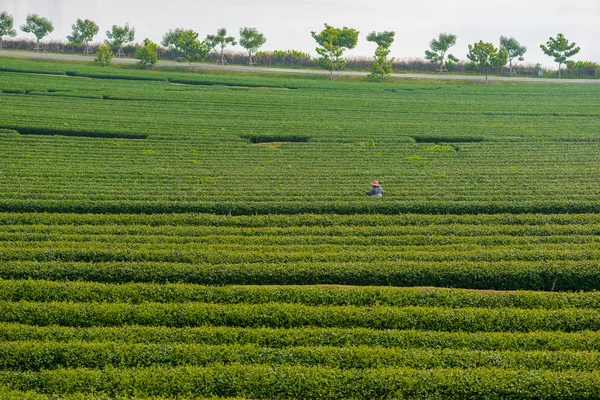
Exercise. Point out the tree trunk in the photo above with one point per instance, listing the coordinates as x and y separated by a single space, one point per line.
559 64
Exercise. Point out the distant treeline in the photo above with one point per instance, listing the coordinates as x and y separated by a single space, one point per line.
289 58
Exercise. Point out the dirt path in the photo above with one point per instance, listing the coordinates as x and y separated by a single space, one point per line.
54 56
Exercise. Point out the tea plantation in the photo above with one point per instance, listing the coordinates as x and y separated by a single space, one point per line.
170 235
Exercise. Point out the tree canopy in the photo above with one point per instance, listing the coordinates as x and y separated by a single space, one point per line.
119 35
83 32
39 26
146 53
171 38
333 42
438 49
251 40
513 50
560 49
382 65
6 26
221 40
190 48
485 56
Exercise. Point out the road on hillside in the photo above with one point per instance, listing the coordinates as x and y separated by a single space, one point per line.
481 78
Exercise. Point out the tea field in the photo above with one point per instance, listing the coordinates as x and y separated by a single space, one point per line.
172 235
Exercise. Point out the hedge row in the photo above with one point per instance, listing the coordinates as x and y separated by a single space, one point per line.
278 315
135 293
463 223
309 336
36 356
266 381
34 130
297 207
504 275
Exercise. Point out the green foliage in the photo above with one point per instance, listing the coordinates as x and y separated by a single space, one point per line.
186 44
120 35
146 53
560 49
251 40
485 57
83 31
220 40
381 66
37 25
284 381
104 55
333 42
513 50
171 38
6 26
439 47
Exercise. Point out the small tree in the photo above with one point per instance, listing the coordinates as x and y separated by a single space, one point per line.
560 49
6 26
382 65
146 53
439 47
119 35
104 55
485 56
333 42
39 26
83 32
513 50
222 40
251 40
189 47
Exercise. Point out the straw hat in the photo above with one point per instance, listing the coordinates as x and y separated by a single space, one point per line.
375 183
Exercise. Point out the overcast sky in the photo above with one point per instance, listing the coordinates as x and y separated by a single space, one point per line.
287 24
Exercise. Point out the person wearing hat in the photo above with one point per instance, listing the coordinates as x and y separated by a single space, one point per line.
376 190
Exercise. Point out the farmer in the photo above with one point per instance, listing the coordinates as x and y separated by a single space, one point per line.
376 190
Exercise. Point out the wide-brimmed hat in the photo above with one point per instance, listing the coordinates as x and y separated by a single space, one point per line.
375 183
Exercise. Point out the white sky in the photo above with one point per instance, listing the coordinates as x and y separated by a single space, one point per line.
287 24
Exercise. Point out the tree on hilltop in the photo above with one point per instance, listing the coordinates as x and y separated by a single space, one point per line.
221 40
439 47
513 49
333 42
485 56
83 32
560 49
186 44
39 26
118 36
6 26
382 65
251 40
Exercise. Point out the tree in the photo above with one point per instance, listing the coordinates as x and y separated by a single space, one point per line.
39 26
560 49
119 35
222 40
146 53
186 44
251 40
6 26
382 65
83 32
170 38
513 50
104 55
333 42
439 47
485 56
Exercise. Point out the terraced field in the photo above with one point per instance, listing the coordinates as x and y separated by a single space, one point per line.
173 235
